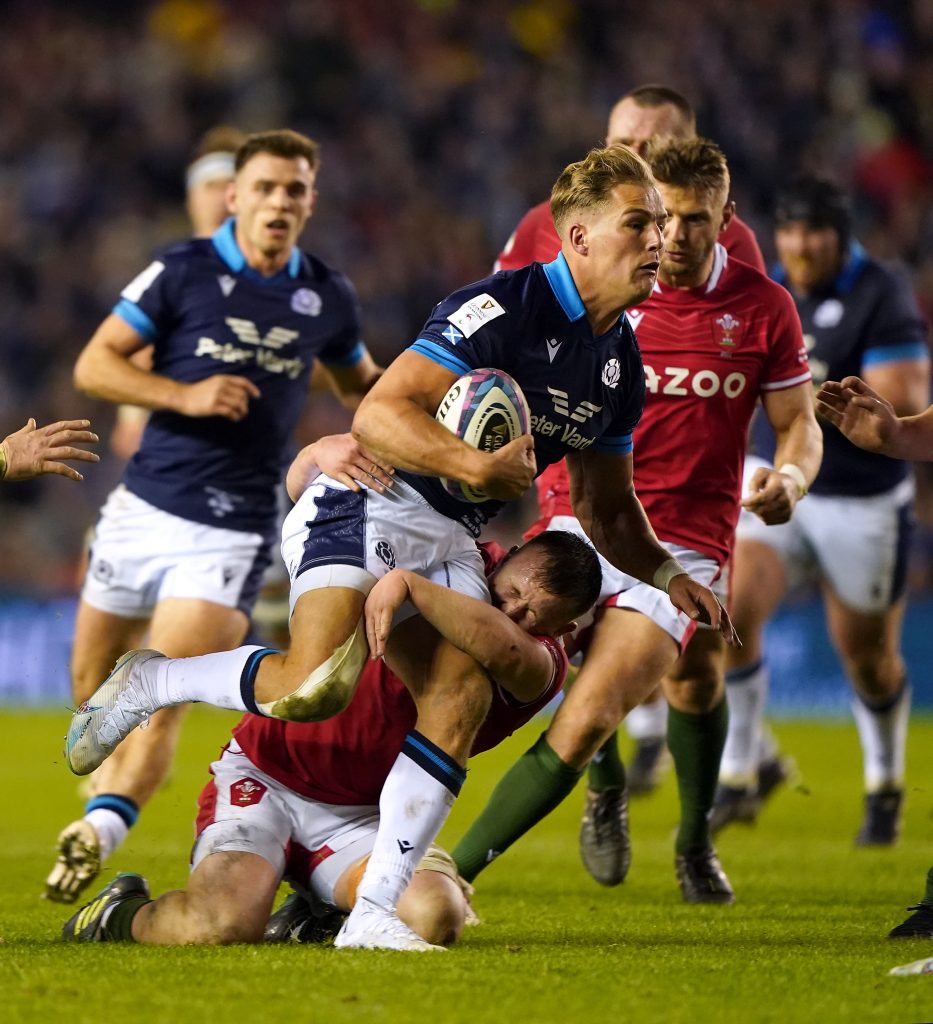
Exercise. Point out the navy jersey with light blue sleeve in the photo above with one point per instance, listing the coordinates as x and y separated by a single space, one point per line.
206 312
583 391
866 316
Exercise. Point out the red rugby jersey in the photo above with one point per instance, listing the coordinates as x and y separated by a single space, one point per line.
345 759
536 238
708 352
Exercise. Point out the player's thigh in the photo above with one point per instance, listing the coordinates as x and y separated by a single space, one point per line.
186 627
758 582
628 656
864 639
697 680
232 895
100 638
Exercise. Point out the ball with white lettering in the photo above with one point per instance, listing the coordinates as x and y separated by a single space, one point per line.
486 409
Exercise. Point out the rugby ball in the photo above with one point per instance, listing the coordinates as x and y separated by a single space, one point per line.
486 409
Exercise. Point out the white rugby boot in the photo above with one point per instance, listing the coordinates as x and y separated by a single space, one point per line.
370 926
110 714
78 862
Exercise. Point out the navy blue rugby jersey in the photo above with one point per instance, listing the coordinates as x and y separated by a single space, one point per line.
865 317
583 391
207 312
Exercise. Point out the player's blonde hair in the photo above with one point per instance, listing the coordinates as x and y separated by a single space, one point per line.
282 142
697 164
588 183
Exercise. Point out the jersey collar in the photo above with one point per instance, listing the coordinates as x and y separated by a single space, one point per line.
225 244
562 285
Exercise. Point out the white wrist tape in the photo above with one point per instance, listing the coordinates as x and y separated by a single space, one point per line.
665 572
792 470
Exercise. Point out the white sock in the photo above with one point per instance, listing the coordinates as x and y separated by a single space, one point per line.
883 733
746 692
648 721
225 679
111 829
415 801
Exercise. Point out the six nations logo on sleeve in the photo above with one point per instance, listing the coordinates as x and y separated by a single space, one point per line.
474 313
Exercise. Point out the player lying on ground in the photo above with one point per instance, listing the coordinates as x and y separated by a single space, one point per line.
301 799
869 421
558 330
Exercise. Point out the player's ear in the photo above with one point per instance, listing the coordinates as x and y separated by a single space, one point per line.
565 630
231 197
728 212
577 237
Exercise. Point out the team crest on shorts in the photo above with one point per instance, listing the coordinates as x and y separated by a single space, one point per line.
246 792
386 552
102 571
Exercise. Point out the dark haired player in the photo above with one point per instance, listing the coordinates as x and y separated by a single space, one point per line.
858 318
303 799
235 321
558 330
715 336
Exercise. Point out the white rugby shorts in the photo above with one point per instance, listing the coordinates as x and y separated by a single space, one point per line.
857 544
620 590
246 811
141 554
335 537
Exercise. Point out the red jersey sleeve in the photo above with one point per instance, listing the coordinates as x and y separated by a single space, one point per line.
739 242
787 363
535 239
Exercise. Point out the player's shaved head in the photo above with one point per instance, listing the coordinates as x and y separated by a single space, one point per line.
589 183
696 164
650 111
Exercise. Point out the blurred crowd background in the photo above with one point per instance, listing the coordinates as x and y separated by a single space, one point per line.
441 122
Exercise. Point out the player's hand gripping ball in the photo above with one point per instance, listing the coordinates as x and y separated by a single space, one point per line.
486 409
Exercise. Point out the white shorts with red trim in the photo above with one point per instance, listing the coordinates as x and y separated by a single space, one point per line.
620 590
244 810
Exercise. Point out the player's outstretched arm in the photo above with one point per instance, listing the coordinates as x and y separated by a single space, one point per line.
604 501
105 370
396 419
517 661
869 420
774 493
34 451
341 457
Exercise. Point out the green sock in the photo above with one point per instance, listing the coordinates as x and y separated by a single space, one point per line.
529 790
696 743
119 927
606 769
928 896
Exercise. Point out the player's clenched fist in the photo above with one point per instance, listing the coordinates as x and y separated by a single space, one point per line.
772 496
511 470
220 395
33 451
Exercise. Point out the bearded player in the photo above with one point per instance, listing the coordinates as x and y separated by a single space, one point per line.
715 335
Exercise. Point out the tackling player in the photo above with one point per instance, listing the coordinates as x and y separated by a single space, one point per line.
855 527
235 321
302 799
558 330
34 451
715 335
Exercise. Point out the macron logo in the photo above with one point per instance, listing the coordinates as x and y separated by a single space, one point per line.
404 845
227 284
552 346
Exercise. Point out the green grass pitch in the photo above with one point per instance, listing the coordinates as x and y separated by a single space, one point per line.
805 942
